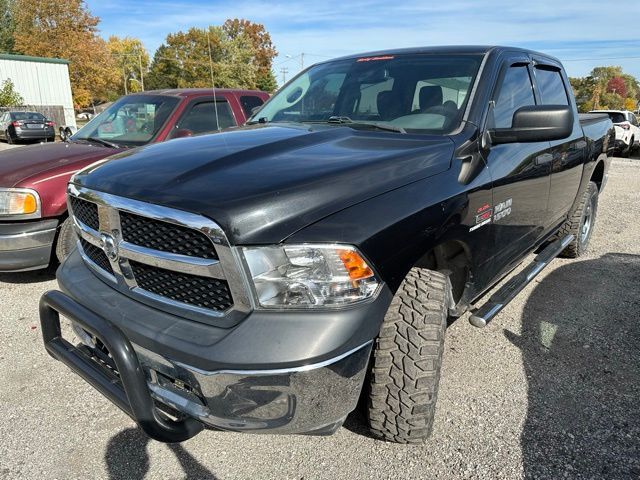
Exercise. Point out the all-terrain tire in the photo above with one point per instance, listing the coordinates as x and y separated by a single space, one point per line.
406 360
577 224
66 240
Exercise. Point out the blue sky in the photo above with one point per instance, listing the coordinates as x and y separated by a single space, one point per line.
582 33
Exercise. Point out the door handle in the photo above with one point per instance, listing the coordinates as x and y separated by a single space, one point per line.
543 159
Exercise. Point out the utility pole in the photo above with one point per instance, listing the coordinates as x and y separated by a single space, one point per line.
302 61
141 74
124 76
284 71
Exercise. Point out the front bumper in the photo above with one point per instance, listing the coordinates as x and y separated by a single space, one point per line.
26 245
255 376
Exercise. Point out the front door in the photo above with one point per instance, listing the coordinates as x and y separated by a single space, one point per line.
520 171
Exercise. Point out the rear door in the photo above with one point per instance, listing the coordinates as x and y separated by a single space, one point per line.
520 171
567 154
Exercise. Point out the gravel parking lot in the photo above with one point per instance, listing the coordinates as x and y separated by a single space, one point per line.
550 389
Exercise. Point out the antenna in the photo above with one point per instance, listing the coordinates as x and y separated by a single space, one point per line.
213 85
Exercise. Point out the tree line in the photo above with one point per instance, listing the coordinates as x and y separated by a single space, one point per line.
606 88
236 54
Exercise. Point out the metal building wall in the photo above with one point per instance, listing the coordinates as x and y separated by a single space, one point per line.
40 83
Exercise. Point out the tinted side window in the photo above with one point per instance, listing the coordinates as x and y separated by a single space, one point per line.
551 87
515 92
249 102
202 117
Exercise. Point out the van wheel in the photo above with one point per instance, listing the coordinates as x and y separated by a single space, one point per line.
406 361
581 223
66 240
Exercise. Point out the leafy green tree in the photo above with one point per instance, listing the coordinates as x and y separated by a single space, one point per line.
7 27
264 50
183 61
8 95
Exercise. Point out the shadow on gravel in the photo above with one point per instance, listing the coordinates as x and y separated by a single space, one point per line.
34 276
127 457
581 352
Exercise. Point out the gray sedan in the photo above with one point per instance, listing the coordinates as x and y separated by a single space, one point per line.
15 126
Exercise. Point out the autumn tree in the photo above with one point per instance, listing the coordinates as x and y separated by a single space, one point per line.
183 60
7 26
264 50
66 29
606 88
131 63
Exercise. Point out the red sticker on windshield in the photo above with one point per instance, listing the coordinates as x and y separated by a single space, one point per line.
375 59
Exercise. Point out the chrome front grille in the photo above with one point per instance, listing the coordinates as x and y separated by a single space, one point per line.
171 259
165 237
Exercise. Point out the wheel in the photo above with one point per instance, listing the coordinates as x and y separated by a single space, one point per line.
627 151
581 223
406 360
66 240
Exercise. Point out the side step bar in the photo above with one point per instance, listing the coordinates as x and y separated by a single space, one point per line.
509 290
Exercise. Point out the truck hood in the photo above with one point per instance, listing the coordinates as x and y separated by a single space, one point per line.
22 163
261 184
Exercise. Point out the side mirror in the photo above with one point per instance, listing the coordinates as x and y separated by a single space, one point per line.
181 133
536 123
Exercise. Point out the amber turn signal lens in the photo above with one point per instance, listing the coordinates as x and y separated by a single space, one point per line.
30 205
355 265
23 204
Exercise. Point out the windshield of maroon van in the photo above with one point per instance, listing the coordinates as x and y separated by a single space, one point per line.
421 93
130 121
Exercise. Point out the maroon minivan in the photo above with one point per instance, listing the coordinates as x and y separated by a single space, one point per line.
33 179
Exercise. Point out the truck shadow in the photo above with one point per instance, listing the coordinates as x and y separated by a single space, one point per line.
33 276
580 345
127 457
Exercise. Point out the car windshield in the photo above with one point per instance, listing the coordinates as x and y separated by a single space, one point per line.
131 121
416 93
28 116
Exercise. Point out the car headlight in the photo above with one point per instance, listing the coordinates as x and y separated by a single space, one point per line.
19 204
307 276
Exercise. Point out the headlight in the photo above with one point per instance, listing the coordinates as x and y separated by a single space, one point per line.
305 276
19 204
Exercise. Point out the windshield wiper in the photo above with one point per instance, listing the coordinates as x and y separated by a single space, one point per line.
101 142
379 125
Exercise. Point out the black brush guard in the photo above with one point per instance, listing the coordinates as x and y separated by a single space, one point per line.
130 393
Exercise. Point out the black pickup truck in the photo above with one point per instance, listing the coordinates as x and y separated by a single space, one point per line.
270 277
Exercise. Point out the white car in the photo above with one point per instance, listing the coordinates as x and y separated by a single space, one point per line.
627 129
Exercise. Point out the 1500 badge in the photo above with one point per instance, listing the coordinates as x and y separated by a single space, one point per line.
485 214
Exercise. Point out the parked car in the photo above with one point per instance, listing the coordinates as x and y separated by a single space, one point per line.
627 130
33 208
17 126
271 277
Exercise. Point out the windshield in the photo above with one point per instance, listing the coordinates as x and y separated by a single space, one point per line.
131 121
419 93
28 116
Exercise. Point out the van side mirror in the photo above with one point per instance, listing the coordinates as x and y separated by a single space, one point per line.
536 123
